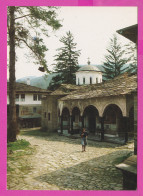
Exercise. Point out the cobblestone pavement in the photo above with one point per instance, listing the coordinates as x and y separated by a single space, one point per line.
59 164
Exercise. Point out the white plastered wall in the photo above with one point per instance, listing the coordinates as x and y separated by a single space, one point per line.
28 100
87 74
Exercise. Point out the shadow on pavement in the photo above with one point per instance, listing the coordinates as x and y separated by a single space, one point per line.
96 174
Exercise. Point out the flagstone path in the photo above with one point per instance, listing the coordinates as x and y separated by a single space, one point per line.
59 164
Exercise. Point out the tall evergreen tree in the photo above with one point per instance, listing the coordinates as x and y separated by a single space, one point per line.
115 60
132 51
23 23
66 62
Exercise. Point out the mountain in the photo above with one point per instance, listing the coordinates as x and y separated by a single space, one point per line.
41 82
44 81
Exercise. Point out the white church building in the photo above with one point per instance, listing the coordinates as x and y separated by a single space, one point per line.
88 74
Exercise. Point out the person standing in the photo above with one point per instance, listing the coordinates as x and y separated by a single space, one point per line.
84 135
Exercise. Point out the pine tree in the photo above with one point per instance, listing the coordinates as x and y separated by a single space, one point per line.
23 23
66 62
115 60
132 51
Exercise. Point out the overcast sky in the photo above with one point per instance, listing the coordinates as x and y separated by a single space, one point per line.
92 28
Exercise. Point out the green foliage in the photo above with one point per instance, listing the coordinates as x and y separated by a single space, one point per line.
17 145
15 154
115 60
30 23
132 51
66 62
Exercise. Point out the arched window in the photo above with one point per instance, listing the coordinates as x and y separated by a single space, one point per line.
96 80
83 80
78 82
90 80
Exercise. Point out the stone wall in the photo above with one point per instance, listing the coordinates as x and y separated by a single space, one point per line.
30 110
50 113
100 103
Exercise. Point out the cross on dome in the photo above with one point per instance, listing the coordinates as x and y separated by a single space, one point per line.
88 62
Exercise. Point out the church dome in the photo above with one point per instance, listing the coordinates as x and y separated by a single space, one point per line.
88 68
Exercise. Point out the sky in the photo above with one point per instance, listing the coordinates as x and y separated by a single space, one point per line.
92 28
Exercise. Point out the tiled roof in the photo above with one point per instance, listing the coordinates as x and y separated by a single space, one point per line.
24 88
121 85
65 89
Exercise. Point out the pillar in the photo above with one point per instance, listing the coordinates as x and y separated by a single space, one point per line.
102 128
82 120
126 127
61 124
71 124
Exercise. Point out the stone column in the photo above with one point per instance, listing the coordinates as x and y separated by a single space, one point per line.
82 120
71 124
126 127
102 128
61 124
135 124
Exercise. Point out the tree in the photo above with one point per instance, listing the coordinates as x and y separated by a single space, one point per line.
66 62
132 51
115 61
23 23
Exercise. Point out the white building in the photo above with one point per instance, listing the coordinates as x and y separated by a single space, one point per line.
28 104
88 74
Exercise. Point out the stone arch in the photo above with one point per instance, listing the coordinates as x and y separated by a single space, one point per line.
75 106
87 105
113 120
65 109
65 118
91 118
129 108
76 122
101 111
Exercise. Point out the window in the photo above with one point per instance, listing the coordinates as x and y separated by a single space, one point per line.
22 97
34 110
45 114
34 97
39 97
48 116
96 80
78 82
90 80
17 97
83 80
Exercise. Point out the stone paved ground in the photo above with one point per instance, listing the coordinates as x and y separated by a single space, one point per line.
59 164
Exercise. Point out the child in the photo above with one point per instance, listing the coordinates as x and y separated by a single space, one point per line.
84 139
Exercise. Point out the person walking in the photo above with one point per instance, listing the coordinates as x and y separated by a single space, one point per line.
84 135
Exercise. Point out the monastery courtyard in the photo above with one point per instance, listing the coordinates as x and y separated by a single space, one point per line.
57 163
